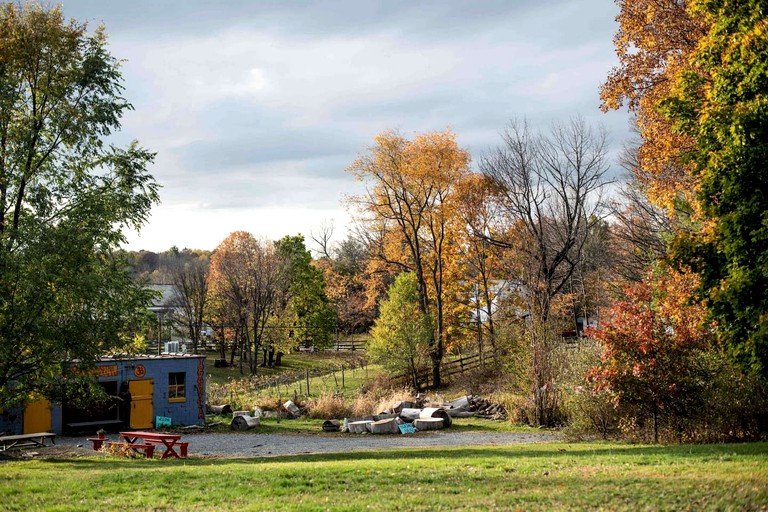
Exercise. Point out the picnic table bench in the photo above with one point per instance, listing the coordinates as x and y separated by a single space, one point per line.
169 441
36 439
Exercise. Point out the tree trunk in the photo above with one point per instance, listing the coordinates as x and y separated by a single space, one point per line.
436 357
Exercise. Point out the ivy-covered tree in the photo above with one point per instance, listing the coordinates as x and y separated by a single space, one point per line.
66 198
722 103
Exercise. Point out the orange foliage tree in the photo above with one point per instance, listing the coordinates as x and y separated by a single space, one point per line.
654 43
406 210
653 339
247 282
476 267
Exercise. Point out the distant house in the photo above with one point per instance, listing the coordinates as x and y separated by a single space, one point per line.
140 389
500 291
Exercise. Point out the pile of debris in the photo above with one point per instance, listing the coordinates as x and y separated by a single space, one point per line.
484 408
418 414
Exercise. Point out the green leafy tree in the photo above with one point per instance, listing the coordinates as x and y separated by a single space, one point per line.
402 332
722 103
308 312
65 200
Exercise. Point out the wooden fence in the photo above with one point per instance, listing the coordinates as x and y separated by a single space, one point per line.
450 368
300 379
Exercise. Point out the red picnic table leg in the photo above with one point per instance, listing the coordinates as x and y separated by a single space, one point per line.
169 450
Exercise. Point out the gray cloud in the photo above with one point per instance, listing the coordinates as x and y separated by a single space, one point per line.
263 104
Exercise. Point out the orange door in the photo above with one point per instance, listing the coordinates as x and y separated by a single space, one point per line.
142 407
37 417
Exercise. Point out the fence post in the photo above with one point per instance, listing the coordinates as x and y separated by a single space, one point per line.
307 382
342 375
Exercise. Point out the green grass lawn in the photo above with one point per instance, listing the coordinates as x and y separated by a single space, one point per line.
552 476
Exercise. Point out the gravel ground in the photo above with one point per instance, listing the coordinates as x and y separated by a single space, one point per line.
269 445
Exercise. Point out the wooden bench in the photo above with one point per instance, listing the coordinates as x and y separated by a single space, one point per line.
18 441
130 449
94 425
98 442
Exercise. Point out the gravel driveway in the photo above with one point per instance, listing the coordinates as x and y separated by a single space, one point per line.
268 445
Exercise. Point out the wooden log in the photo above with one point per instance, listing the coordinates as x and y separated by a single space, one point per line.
453 413
244 423
460 403
428 423
434 412
409 414
387 426
292 409
331 426
359 427
219 409
399 406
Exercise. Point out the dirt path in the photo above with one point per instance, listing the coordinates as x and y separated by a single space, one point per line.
270 445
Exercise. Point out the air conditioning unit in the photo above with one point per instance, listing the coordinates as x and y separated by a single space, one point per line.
171 347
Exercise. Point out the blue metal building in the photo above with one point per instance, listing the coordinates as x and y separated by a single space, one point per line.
142 389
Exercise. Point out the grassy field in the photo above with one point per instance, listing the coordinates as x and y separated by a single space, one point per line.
293 362
552 476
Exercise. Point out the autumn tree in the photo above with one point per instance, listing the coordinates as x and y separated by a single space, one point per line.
721 104
248 284
66 199
345 285
229 289
653 341
406 210
694 72
549 188
402 332
654 43
477 261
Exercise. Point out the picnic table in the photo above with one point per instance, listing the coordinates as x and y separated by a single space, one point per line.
169 441
36 439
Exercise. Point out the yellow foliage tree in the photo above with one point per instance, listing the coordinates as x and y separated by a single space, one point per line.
654 43
406 210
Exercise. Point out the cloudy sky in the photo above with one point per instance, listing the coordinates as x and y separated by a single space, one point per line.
256 108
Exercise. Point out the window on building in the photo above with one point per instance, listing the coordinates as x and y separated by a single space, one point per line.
176 389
